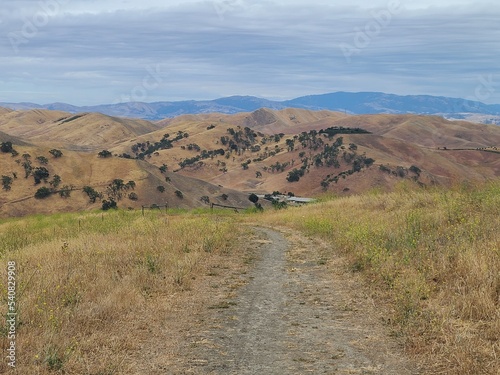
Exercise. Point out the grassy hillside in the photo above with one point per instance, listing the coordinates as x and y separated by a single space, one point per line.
432 256
444 152
213 157
77 170
81 131
93 288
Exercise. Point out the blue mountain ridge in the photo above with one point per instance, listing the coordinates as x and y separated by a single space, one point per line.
353 103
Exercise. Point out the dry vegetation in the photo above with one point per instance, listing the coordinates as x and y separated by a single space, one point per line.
433 257
93 289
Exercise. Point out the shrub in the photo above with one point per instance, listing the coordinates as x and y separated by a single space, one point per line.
179 194
6 147
56 153
107 205
92 193
253 198
42 159
6 182
295 175
56 180
415 170
39 174
133 196
160 188
43 192
105 154
65 191
163 168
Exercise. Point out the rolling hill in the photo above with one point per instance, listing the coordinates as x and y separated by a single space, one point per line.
80 131
195 160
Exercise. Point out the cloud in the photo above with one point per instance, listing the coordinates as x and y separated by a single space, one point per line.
95 52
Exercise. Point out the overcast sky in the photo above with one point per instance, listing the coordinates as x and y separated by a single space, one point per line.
107 51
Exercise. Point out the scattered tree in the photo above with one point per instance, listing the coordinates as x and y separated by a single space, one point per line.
56 180
163 168
6 147
179 194
107 205
92 193
42 159
6 182
295 175
160 188
39 174
42 193
253 198
105 154
65 191
133 196
56 153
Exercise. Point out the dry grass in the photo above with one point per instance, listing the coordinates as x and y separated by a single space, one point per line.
91 291
433 256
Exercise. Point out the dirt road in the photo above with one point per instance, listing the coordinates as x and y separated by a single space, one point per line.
299 313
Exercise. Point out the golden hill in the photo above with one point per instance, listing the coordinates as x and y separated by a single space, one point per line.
263 151
4 110
397 141
83 130
79 169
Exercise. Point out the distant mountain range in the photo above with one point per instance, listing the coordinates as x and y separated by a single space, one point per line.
352 103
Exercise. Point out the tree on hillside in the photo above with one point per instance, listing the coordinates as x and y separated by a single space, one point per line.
6 147
253 198
295 175
65 191
116 187
6 182
105 154
107 205
43 192
42 159
92 193
56 180
39 174
163 168
56 153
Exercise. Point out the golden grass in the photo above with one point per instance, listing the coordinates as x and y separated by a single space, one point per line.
89 286
433 256
92 287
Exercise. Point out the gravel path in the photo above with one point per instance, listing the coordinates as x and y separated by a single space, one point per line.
297 314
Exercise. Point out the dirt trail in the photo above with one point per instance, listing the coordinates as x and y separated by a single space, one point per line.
298 314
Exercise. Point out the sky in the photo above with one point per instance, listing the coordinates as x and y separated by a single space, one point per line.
108 51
